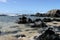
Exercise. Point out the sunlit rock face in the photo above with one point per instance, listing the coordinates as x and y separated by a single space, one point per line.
54 13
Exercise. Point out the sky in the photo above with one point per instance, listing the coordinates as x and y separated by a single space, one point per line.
28 6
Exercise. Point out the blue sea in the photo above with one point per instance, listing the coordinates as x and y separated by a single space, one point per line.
8 18
16 18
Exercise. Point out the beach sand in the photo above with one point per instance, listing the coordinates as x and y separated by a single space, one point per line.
10 29
54 23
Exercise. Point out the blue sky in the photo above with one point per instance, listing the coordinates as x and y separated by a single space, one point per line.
28 6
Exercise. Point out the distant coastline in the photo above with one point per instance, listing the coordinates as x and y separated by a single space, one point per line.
3 15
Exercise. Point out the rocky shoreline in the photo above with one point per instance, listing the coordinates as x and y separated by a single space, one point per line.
14 31
26 29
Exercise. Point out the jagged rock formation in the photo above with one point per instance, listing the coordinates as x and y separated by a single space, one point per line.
54 13
48 35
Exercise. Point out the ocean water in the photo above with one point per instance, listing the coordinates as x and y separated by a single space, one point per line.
34 17
16 18
8 18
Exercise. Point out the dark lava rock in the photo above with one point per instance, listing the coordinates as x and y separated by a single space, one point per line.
48 35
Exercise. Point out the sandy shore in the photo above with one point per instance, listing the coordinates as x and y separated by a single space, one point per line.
54 23
10 29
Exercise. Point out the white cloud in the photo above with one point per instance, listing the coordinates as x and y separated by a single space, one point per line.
3 0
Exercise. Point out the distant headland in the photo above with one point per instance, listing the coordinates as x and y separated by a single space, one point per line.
50 13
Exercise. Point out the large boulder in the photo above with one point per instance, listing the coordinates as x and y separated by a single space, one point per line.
39 24
49 34
22 20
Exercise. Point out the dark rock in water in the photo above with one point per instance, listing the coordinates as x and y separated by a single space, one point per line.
30 20
37 20
48 35
22 20
42 24
47 20
21 35
49 31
